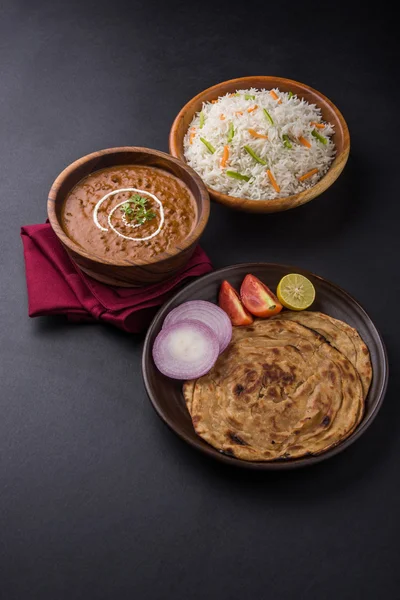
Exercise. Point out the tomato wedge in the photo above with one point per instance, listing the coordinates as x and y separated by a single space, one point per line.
258 298
230 302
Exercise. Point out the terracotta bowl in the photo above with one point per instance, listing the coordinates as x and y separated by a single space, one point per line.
329 111
126 272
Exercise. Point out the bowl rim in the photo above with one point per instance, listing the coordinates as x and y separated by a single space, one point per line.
275 204
266 465
202 217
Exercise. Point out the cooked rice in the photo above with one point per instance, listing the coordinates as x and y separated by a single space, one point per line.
293 117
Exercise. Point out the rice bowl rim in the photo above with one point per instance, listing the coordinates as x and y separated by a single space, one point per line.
329 111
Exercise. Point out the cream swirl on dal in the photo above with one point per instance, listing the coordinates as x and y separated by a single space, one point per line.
134 226
129 211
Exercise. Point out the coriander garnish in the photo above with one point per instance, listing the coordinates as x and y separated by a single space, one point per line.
135 209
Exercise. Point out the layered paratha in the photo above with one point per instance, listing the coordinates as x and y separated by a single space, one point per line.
341 336
279 391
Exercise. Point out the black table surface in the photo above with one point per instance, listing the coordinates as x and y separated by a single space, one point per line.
98 499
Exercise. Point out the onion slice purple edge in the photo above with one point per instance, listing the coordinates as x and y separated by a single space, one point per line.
205 312
171 366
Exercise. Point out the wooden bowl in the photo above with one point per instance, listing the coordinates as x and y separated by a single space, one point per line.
126 272
330 113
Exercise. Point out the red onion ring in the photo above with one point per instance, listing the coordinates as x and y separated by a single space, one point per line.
205 312
185 350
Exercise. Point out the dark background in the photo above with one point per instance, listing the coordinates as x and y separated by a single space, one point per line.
98 499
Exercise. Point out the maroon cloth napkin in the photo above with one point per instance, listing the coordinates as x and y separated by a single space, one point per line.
56 286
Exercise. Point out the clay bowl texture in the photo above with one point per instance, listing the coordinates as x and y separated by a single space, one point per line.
329 112
166 394
128 272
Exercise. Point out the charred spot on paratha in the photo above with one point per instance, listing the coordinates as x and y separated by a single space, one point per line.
228 451
238 389
236 439
273 393
252 380
275 373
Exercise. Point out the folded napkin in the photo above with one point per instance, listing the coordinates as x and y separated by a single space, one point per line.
57 286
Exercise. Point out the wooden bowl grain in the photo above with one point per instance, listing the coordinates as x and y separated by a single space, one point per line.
329 112
128 272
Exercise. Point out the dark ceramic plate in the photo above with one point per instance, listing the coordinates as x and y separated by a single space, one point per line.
166 394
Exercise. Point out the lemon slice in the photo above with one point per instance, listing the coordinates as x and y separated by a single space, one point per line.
295 292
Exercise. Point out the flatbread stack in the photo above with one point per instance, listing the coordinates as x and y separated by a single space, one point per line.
290 386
